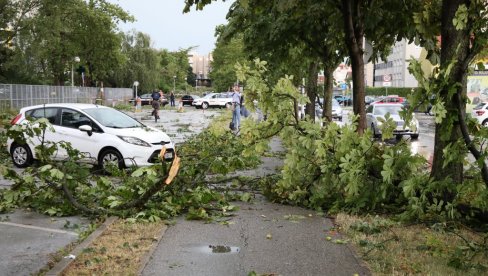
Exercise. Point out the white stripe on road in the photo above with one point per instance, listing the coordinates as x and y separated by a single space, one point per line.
39 228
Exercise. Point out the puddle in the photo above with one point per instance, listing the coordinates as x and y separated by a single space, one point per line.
218 249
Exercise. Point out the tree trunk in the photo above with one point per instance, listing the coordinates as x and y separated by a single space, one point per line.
455 46
311 89
354 35
329 86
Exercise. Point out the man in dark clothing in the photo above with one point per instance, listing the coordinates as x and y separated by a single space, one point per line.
155 104
172 98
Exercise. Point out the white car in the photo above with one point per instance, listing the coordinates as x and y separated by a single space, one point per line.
223 99
101 133
377 111
480 112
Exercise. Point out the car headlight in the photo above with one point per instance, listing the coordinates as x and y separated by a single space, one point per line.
134 141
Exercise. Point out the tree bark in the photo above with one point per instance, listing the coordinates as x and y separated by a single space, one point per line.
454 46
354 35
328 91
311 89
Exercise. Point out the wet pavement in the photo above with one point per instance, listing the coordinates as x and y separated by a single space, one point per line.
261 238
28 239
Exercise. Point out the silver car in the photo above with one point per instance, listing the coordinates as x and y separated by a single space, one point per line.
377 111
336 109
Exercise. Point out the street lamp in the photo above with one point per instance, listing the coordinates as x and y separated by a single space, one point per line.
174 84
136 84
77 59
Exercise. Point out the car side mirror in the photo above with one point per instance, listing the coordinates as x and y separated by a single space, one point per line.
86 128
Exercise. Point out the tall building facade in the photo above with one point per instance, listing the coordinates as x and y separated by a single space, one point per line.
395 68
200 64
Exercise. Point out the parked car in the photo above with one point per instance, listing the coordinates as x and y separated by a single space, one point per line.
343 100
102 133
375 112
146 99
188 99
223 99
369 100
390 99
336 109
480 113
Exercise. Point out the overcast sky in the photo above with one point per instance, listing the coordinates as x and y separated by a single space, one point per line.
169 28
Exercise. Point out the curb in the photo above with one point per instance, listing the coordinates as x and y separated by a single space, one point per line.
61 266
148 256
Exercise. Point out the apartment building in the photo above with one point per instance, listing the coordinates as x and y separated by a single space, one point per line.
395 68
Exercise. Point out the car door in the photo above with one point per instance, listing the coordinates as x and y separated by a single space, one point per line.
50 134
87 144
214 100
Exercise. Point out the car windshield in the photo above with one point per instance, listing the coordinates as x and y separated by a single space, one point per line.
479 106
383 109
112 118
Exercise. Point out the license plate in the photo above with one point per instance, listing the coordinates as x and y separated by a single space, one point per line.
168 155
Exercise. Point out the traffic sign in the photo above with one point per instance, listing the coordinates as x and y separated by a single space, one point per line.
344 86
387 78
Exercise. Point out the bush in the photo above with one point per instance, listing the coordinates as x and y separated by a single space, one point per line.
381 91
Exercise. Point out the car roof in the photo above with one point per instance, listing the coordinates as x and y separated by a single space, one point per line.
79 106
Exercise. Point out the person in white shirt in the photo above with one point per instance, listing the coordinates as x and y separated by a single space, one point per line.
236 107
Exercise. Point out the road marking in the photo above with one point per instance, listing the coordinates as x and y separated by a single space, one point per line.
39 228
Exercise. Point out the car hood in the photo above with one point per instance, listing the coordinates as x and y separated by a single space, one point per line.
146 133
395 118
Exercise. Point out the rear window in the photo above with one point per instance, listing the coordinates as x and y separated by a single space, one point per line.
49 113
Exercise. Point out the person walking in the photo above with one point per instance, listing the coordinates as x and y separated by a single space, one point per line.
172 98
155 104
236 108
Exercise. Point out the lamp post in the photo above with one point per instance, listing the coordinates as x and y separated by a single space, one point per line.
174 84
76 59
136 84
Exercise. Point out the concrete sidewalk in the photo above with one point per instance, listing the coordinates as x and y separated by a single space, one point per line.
263 237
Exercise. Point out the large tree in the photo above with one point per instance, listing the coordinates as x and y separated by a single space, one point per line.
55 32
461 25
381 23
226 54
294 37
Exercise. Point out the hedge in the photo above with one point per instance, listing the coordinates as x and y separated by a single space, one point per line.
382 91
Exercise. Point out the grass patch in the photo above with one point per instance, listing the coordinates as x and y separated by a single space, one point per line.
118 251
391 248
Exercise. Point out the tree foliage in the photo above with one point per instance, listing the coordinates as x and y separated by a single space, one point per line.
54 33
225 56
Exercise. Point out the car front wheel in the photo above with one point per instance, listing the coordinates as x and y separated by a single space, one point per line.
110 156
414 136
485 123
204 105
21 155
